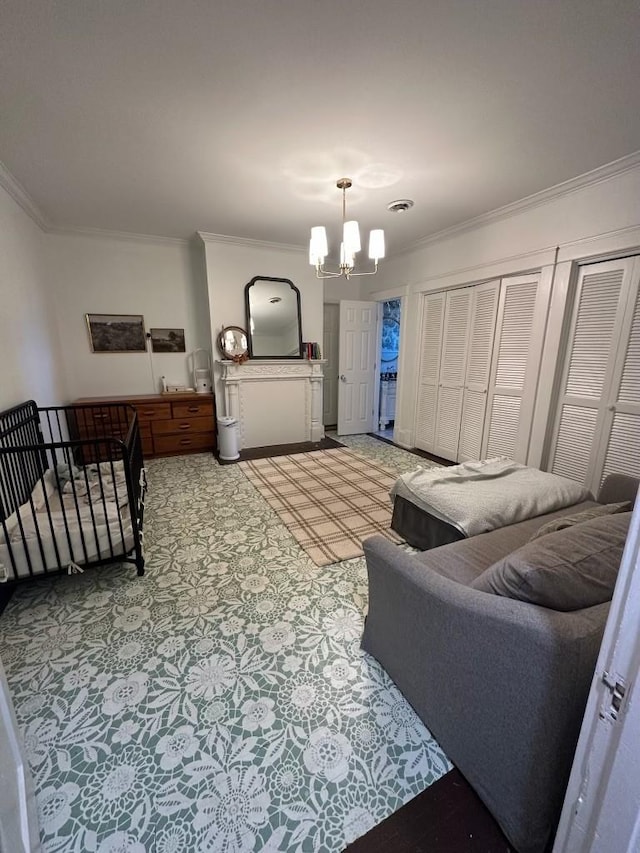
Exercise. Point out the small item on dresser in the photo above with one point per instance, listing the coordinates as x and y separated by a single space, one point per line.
177 389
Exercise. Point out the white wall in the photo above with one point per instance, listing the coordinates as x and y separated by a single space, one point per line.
231 264
602 216
162 280
29 353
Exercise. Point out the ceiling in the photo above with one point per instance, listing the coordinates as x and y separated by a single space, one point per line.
237 117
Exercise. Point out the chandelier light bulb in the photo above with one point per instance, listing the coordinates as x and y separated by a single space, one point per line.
376 244
318 243
351 237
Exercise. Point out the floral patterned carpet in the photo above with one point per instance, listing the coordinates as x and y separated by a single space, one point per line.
219 703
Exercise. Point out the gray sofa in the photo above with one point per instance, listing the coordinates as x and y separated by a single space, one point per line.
501 683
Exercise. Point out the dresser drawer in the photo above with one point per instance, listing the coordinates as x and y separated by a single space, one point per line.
182 425
97 421
190 410
183 443
147 446
153 411
145 429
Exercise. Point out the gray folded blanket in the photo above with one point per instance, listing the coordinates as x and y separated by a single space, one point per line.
476 497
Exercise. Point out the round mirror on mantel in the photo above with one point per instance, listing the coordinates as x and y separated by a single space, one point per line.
232 343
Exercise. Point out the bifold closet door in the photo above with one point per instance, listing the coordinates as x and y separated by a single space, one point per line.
597 428
429 371
484 306
452 372
515 363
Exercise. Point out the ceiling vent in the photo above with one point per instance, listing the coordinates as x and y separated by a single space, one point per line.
400 205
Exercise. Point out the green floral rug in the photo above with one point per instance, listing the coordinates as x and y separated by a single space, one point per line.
219 703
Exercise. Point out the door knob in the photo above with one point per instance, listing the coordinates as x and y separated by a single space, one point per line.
343 378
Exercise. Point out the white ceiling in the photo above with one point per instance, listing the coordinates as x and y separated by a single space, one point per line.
237 117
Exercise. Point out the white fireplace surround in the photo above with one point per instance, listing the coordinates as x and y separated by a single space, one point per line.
275 401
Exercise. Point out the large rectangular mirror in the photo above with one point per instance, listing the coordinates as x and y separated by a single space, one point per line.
273 318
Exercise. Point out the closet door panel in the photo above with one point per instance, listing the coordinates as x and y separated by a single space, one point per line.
454 345
587 397
503 427
513 368
481 337
471 426
433 309
629 392
577 429
452 372
619 450
448 422
622 455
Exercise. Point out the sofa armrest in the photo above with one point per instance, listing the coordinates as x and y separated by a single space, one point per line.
618 487
501 684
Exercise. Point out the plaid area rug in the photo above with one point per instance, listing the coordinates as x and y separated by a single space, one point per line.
330 500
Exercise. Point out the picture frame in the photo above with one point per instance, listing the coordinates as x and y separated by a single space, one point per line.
167 340
116 333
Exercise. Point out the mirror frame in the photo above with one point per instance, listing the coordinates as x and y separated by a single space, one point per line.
240 356
247 289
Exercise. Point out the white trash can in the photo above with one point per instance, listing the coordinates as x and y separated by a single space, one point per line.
228 438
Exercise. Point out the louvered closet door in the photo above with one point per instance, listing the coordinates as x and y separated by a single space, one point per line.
429 370
619 450
514 365
481 337
591 428
452 372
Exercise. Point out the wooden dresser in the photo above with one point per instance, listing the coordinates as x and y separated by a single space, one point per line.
169 423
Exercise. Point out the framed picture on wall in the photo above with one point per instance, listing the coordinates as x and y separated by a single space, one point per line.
116 332
167 340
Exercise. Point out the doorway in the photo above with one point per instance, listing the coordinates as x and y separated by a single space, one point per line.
389 349
331 349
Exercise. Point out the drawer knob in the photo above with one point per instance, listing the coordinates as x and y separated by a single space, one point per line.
185 441
184 426
193 409
148 412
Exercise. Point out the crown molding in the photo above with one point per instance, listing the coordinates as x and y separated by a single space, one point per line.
587 179
106 234
248 243
522 263
22 197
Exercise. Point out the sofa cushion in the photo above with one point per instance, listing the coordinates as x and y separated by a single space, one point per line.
566 570
580 517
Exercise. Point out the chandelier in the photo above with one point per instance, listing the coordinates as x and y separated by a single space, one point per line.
349 247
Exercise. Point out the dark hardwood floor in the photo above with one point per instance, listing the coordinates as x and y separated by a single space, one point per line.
415 450
283 450
448 817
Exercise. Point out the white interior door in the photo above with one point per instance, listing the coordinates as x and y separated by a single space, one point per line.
357 366
601 811
330 352
429 370
452 371
481 336
18 816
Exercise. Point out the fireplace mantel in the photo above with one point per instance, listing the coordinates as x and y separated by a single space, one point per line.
276 401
